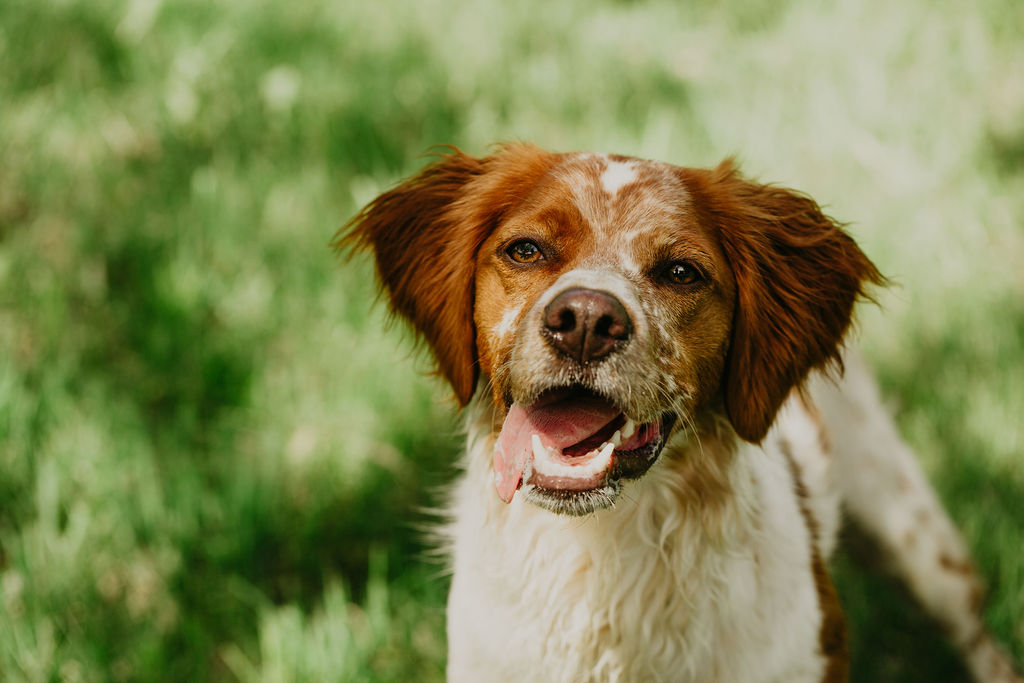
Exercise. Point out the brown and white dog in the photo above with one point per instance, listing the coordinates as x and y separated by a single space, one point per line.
655 464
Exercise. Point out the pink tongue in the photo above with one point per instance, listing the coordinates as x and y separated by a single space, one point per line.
559 424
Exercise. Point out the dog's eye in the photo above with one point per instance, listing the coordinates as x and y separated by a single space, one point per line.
524 251
683 273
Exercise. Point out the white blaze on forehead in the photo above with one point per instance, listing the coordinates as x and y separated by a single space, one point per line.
507 321
617 175
594 182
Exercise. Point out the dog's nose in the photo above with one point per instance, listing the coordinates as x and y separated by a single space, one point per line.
586 324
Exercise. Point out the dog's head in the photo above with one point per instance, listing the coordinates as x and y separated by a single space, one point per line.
608 301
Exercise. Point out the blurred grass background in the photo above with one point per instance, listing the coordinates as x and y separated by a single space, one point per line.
213 456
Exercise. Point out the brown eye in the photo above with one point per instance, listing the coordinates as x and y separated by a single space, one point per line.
524 251
682 273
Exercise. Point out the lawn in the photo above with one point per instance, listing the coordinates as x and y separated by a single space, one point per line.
217 460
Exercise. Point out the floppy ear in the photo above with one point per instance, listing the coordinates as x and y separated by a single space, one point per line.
424 235
797 276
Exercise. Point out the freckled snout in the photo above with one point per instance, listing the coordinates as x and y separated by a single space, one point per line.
586 324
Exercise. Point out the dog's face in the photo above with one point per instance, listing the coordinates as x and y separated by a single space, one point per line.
609 301
603 311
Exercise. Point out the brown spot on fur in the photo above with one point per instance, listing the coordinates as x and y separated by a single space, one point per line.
976 599
976 640
832 639
951 564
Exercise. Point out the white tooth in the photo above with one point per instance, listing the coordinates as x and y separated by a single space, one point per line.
628 429
546 462
616 438
539 452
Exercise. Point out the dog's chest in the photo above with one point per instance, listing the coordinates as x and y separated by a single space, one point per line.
647 591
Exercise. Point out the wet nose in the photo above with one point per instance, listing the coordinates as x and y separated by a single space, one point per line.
586 324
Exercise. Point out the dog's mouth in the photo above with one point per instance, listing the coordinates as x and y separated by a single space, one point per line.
570 448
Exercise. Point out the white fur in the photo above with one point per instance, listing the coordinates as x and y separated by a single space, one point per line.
809 448
594 182
645 591
617 175
508 321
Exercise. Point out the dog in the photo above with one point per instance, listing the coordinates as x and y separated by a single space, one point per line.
658 449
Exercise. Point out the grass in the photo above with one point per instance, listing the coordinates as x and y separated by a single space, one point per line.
213 451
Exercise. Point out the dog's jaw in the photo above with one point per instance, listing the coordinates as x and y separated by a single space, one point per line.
574 468
583 472
622 466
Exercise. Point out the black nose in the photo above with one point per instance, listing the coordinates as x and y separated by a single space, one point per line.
585 324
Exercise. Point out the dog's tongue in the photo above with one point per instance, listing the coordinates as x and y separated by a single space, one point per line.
559 424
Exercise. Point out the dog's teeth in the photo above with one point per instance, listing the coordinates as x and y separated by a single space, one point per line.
539 451
628 429
616 438
606 452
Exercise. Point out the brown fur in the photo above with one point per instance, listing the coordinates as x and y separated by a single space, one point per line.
650 223
797 276
425 234
797 273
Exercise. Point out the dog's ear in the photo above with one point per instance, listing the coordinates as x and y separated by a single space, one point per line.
424 235
797 276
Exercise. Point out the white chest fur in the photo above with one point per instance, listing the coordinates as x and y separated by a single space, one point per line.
668 585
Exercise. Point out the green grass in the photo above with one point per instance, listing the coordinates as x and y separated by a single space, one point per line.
212 465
